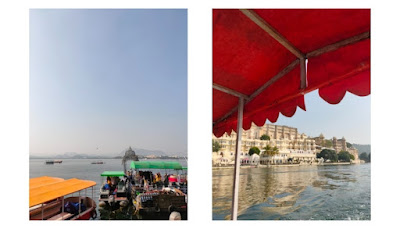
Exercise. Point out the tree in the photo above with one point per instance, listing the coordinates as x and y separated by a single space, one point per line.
365 157
271 151
216 146
345 156
265 137
254 150
349 145
328 154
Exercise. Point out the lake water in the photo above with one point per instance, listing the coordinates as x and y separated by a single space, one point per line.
330 192
81 169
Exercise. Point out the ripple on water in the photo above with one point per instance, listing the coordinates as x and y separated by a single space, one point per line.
297 193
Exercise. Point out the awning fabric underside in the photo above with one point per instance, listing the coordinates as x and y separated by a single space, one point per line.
245 57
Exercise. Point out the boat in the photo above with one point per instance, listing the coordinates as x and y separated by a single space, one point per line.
49 162
157 200
58 161
53 198
117 194
97 163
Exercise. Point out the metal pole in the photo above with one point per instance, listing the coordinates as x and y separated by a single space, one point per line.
62 211
235 196
79 204
303 73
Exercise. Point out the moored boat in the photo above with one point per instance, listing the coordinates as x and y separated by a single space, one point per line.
115 191
156 197
49 200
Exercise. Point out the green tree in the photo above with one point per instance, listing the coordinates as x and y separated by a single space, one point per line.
216 146
348 145
254 150
265 137
328 154
271 151
345 156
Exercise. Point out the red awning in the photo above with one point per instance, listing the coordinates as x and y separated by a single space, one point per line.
259 55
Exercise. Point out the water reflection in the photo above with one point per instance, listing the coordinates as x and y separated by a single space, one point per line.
300 192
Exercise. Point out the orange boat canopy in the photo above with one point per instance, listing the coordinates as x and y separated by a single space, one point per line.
43 181
53 187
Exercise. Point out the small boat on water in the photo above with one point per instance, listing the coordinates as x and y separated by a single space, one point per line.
51 162
48 201
97 163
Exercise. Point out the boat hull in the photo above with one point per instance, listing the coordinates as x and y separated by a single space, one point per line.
52 210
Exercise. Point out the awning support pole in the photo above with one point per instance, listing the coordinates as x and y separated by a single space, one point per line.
235 196
62 210
79 204
303 73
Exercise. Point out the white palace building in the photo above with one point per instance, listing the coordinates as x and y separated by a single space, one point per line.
292 145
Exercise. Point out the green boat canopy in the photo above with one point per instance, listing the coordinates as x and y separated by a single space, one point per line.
155 165
113 174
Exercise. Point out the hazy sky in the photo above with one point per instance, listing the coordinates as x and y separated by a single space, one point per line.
351 118
108 79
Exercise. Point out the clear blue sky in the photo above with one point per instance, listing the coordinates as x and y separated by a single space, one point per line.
108 79
351 118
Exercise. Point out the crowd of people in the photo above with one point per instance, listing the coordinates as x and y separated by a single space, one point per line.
145 179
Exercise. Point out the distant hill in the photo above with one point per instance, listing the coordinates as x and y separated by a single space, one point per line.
69 155
362 148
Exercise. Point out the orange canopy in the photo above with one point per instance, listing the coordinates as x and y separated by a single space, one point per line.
42 193
42 181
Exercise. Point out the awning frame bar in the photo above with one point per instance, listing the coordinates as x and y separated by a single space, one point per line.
339 44
273 32
230 91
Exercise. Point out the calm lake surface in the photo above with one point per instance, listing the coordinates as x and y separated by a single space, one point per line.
331 192
81 169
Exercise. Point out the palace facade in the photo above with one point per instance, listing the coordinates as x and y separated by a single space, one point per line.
292 145
337 145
